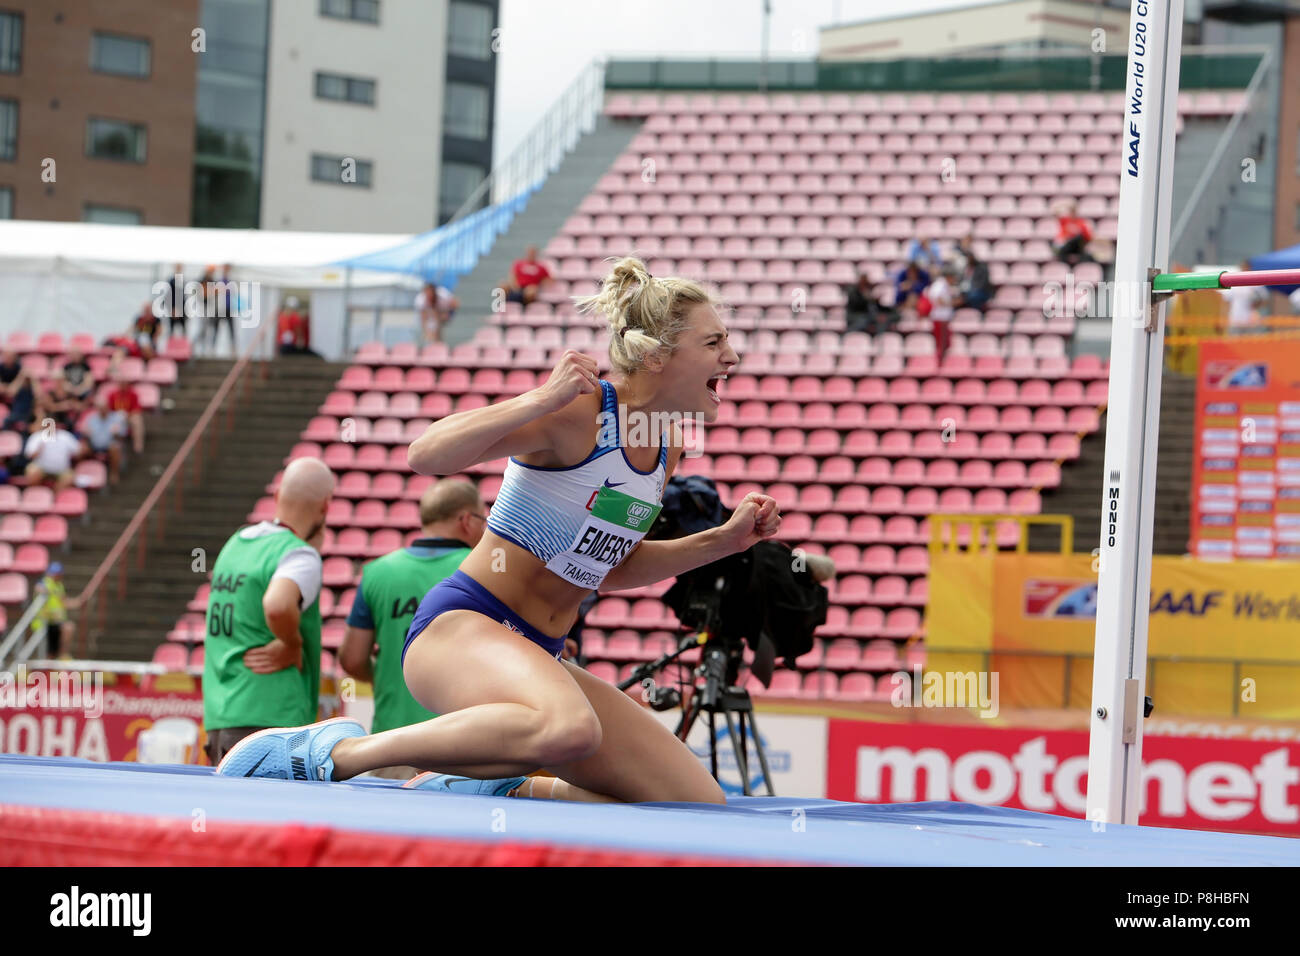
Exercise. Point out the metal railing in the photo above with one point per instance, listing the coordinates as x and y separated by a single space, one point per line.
1193 237
168 495
488 211
14 638
1202 67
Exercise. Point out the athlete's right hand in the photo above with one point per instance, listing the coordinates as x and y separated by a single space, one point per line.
575 374
272 657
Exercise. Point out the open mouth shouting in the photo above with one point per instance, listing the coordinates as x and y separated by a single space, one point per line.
713 384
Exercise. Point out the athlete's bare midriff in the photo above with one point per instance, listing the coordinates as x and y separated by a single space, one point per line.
520 581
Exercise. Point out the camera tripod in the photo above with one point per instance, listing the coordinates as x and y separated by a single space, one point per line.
715 692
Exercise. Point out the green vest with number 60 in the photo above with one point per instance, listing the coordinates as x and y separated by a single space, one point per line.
233 696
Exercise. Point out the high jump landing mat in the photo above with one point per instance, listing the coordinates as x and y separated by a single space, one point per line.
65 811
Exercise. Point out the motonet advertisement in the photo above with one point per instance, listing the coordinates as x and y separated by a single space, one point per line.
1240 785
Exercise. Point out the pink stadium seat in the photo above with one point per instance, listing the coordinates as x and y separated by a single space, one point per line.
171 656
199 603
785 683
13 587
16 528
30 559
91 475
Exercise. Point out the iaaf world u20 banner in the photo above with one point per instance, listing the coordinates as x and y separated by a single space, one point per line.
1250 786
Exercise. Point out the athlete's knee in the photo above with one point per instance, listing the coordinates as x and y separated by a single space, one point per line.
567 737
709 792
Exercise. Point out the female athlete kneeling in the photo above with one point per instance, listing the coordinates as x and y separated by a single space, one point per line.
576 500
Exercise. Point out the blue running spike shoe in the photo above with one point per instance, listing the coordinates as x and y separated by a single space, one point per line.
290 753
452 784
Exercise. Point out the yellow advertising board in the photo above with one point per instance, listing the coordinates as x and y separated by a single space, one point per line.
1220 632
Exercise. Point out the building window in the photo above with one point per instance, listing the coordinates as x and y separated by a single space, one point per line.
469 30
458 181
115 139
11 42
113 215
8 129
6 202
466 111
123 56
332 86
342 170
366 11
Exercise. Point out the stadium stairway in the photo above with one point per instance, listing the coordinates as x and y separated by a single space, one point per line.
557 200
265 429
1079 493
112 509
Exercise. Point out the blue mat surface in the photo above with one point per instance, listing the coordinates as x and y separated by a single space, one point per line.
771 828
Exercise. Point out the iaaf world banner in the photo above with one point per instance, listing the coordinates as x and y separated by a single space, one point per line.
1250 786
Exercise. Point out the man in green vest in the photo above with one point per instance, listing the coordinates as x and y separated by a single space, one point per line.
452 518
261 664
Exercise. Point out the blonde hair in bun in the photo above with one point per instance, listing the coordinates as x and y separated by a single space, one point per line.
646 315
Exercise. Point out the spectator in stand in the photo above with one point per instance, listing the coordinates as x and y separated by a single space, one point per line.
126 400
290 336
925 253
144 331
230 292
54 614
1243 305
528 277
452 518
59 404
50 452
909 285
20 390
435 306
101 434
942 294
1072 236
77 376
216 310
176 304
975 290
863 311
963 252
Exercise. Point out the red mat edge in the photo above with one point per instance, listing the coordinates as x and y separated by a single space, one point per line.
45 836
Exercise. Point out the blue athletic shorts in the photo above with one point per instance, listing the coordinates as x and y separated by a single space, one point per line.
460 591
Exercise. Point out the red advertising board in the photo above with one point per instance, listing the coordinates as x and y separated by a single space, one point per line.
1249 786
1246 476
83 714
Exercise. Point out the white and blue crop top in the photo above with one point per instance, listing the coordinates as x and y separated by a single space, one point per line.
554 513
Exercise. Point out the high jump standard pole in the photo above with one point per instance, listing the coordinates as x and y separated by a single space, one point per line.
1133 419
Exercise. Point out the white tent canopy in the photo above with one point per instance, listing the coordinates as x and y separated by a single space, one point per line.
87 277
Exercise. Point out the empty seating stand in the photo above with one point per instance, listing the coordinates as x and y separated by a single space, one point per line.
860 438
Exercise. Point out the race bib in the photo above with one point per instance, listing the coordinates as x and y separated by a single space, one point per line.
616 523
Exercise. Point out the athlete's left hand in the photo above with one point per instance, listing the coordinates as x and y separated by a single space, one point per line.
755 519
